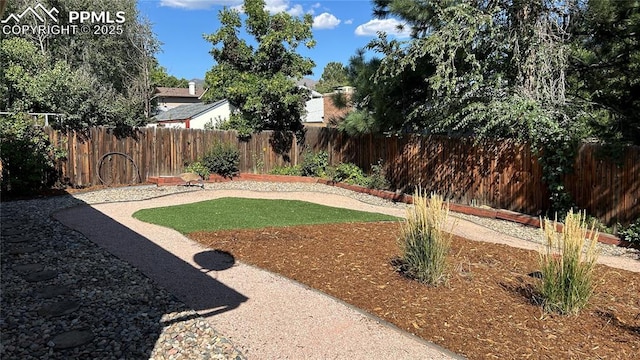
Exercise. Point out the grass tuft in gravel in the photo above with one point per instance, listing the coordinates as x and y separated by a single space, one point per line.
241 213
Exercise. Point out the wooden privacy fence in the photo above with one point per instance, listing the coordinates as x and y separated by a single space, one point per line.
500 174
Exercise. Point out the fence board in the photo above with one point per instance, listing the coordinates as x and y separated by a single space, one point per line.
499 174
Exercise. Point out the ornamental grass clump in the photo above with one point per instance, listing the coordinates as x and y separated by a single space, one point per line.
423 241
567 265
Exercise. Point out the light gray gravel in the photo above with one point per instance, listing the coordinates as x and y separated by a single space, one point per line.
127 315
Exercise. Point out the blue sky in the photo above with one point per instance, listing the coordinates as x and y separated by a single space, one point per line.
340 28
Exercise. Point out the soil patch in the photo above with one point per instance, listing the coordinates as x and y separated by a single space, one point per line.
485 311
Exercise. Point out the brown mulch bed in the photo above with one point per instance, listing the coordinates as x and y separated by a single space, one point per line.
485 311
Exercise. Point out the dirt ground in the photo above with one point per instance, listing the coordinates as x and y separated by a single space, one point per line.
486 310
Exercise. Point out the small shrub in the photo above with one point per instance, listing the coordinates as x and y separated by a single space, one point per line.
378 179
567 270
26 154
315 164
423 241
350 174
198 168
223 159
286 170
631 233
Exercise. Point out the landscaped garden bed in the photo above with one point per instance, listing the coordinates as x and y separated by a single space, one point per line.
486 310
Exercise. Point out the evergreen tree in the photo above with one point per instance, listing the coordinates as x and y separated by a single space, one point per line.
333 75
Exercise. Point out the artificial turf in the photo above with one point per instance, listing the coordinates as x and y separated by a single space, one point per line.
241 213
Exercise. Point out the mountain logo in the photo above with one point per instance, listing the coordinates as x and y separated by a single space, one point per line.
38 12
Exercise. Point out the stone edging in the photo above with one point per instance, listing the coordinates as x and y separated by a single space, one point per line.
500 214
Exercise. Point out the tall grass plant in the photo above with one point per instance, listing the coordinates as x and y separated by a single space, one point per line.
567 263
424 242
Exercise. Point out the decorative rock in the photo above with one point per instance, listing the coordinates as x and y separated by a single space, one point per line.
59 308
41 275
28 268
536 274
22 250
52 291
71 339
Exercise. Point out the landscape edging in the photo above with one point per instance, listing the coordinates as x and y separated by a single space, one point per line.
388 195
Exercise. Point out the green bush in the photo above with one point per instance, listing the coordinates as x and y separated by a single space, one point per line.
198 168
567 265
423 241
223 159
349 173
286 170
631 233
378 179
27 156
315 164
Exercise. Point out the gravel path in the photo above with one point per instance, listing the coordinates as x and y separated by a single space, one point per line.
80 293
59 289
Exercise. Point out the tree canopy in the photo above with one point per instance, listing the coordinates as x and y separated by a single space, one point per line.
550 73
160 77
532 70
91 79
334 74
259 79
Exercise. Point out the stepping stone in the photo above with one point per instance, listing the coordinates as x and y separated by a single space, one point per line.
22 250
12 232
41 275
28 268
17 239
59 308
71 339
52 291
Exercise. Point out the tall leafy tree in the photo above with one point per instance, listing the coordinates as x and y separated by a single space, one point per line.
500 71
160 77
259 79
382 107
605 67
113 67
334 74
31 81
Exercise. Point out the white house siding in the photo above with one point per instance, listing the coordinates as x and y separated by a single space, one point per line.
214 115
177 124
315 110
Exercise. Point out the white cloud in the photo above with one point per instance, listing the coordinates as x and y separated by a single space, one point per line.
348 22
325 21
390 26
276 6
197 4
296 10
272 6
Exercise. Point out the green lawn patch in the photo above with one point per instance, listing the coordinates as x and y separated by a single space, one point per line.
240 213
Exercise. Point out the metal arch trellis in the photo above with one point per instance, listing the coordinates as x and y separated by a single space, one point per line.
102 159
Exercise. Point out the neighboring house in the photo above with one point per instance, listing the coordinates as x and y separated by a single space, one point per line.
333 114
168 98
315 108
193 116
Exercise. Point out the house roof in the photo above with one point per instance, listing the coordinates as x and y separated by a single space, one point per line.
177 92
189 111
